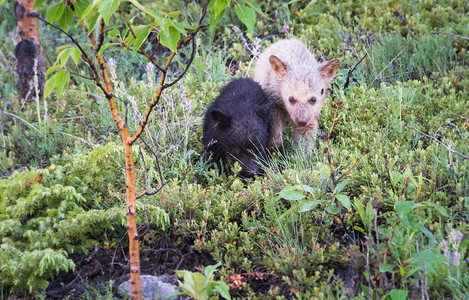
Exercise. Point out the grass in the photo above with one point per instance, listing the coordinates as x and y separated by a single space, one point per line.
409 77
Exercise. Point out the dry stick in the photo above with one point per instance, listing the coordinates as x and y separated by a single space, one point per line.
452 34
347 82
370 280
438 141
420 273
406 185
392 60
331 166
397 14
157 159
334 120
376 246
389 174
351 167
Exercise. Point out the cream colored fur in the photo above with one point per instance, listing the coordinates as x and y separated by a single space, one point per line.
289 73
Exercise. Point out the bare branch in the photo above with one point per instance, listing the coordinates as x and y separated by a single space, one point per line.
162 181
191 59
451 34
347 82
438 141
79 75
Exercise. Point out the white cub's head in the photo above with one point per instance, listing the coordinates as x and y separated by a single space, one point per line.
303 88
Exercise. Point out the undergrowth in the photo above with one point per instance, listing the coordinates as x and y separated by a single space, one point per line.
391 222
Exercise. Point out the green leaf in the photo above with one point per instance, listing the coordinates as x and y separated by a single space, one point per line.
92 21
361 210
403 208
307 206
427 233
429 258
398 294
173 14
291 194
113 33
410 223
81 6
141 34
210 270
223 288
108 8
63 57
49 86
220 5
54 11
62 79
38 3
180 27
52 69
66 20
386 268
170 38
247 16
333 209
358 228
104 47
307 189
344 200
341 186
440 209
75 53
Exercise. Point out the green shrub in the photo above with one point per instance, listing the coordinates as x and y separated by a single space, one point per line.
48 214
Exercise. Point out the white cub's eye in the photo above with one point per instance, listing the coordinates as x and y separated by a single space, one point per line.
292 100
312 100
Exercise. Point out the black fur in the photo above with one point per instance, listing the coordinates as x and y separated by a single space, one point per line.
237 124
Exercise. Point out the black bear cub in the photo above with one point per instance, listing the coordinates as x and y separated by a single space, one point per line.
237 124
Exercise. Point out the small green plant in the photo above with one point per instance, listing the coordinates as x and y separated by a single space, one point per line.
202 286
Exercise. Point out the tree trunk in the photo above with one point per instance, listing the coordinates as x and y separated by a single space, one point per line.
30 63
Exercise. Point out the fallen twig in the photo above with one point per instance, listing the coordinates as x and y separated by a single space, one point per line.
438 141
452 34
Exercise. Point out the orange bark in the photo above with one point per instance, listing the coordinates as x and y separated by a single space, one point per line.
134 247
28 27
30 65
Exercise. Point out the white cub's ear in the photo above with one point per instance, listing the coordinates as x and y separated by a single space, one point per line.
280 67
329 68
